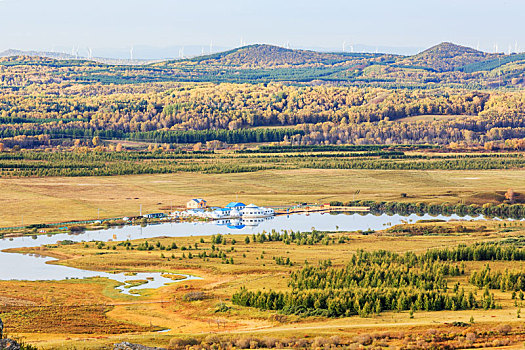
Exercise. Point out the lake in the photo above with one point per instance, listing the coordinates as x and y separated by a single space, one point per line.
35 268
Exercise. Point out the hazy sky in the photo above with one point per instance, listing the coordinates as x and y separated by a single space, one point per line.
48 24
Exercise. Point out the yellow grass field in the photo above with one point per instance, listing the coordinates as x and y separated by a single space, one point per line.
136 319
45 200
430 117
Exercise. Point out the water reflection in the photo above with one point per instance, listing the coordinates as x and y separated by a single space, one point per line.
238 224
33 268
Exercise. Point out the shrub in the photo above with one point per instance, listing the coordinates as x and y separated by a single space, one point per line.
77 228
222 307
470 337
335 340
301 343
364 339
194 296
504 329
269 342
181 343
243 343
212 339
320 342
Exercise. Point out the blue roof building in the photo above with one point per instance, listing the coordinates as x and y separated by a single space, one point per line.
236 227
236 205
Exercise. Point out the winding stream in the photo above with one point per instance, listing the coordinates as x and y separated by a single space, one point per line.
36 268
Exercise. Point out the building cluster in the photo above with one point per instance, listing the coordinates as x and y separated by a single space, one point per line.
198 207
235 210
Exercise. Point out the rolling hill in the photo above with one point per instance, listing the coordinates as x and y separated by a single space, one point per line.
446 57
269 56
446 63
44 54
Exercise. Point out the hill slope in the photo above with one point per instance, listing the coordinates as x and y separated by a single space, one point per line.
445 63
269 56
447 57
46 54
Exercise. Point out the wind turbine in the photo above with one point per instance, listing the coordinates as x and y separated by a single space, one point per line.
516 46
211 46
90 53
344 44
74 52
131 53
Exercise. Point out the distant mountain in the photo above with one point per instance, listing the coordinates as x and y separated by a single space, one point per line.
47 54
446 57
441 58
269 56
262 63
64 56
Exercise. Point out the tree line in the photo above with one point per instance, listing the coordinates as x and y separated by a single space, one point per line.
109 160
370 282
503 210
193 112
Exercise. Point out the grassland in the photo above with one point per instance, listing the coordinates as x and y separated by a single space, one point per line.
254 267
430 117
55 199
52 314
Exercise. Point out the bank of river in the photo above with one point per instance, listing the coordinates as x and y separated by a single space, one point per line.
34 268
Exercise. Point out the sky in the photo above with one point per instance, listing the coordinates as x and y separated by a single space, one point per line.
58 25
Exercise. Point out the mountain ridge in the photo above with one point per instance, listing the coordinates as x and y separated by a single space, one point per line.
447 56
262 63
32 53
271 56
442 57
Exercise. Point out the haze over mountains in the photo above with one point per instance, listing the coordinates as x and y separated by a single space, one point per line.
153 53
445 63
441 57
447 56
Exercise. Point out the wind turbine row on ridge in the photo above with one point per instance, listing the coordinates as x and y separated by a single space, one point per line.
509 51
351 47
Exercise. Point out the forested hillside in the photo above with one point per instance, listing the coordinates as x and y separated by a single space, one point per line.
243 113
263 93
446 64
268 56
448 56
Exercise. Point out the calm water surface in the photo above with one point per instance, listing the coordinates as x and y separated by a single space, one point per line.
36 268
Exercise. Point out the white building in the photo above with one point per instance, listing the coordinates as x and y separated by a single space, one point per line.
224 213
253 211
233 210
194 212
